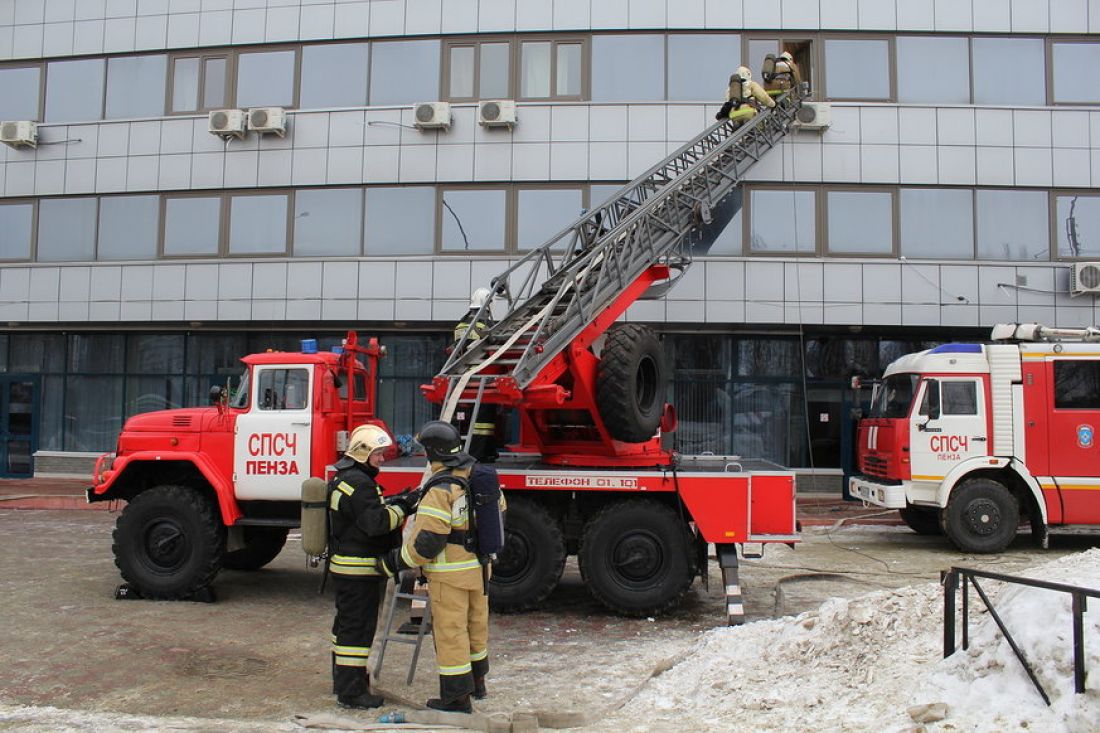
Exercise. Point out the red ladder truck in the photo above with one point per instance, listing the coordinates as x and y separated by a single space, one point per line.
589 475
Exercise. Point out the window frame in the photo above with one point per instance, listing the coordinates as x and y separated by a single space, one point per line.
202 55
95 228
895 234
227 213
1053 195
1048 73
41 66
292 207
476 42
102 92
555 40
817 53
1051 41
747 214
340 42
509 219
820 89
296 78
223 223
32 250
973 191
969 67
516 188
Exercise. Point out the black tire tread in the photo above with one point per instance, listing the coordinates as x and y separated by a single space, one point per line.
922 520
545 584
588 538
211 531
952 520
261 548
615 381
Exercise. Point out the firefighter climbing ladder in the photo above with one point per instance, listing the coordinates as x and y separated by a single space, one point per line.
556 290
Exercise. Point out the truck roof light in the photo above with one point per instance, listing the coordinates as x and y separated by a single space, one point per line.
309 346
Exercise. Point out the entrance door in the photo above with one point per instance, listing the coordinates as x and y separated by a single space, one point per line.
18 425
824 406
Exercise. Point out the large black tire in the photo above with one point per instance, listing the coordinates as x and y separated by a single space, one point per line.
169 542
631 382
922 520
636 557
261 546
529 567
982 516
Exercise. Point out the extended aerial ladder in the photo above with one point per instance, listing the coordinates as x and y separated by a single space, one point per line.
564 295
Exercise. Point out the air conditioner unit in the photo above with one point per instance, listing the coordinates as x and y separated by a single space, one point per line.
226 123
267 119
1084 278
19 133
813 116
432 115
497 113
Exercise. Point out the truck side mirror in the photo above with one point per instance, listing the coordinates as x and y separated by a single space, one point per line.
216 393
932 389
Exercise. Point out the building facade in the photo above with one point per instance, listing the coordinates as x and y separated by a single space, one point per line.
141 255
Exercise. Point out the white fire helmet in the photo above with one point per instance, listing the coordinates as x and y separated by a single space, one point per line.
366 439
745 73
786 56
478 297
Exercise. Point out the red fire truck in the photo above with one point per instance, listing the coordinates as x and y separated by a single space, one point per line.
971 439
590 475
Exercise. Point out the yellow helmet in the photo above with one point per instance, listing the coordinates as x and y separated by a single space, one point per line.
366 439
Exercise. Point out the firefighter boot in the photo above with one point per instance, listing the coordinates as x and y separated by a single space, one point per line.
365 701
480 693
458 705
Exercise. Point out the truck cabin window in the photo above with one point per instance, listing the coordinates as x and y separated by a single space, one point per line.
1076 385
959 398
893 396
283 389
239 397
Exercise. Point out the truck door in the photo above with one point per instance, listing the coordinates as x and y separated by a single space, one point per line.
271 448
1072 438
948 427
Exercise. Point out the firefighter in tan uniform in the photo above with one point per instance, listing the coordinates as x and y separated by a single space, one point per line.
460 605
744 97
784 74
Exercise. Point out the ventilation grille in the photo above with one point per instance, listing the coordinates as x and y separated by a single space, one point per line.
181 421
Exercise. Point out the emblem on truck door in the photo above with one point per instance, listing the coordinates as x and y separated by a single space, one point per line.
1085 435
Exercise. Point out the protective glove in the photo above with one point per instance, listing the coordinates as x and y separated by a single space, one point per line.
407 501
392 563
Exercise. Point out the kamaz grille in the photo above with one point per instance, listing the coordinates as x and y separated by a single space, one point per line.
874 466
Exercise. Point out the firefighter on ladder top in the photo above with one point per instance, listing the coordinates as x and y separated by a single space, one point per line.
483 444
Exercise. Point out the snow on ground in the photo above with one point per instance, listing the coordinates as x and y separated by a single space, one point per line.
860 664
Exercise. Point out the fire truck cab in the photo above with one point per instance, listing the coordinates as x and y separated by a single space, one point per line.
971 439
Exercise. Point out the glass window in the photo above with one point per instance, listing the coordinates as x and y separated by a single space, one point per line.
154 354
192 225
66 229
860 222
215 77
19 88
494 70
404 72
135 86
783 221
628 68
535 60
334 75
36 352
257 224
771 357
758 49
16 229
146 394
473 219
265 79
1077 385
1009 71
568 57
937 223
1078 226
462 72
723 236
1013 225
840 358
933 69
327 221
958 398
1074 79
96 353
400 221
185 84
74 90
857 69
215 353
128 227
283 389
93 412
693 74
542 213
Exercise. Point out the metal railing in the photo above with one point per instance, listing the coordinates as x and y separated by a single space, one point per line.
950 580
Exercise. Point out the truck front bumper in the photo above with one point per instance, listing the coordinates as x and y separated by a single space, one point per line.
890 496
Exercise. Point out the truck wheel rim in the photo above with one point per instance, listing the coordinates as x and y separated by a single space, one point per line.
166 545
513 558
637 558
983 516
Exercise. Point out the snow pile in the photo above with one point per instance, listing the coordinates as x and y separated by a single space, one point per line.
860 664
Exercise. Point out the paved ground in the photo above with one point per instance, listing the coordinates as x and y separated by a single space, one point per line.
260 653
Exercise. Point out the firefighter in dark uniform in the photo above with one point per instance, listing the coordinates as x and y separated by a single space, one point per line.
483 444
364 526
460 606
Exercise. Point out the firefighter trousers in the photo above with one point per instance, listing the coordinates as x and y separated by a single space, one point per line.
353 629
460 629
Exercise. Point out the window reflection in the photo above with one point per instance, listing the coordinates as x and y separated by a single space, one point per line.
783 221
933 69
1013 225
628 68
19 93
473 220
1078 226
1009 71
462 72
135 86
192 225
16 225
857 69
1070 84
860 222
66 229
535 62
937 223
334 75
265 79
128 227
75 90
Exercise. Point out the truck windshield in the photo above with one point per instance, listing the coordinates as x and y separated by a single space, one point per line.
239 396
893 396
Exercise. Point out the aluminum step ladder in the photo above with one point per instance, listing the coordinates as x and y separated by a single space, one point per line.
556 290
389 636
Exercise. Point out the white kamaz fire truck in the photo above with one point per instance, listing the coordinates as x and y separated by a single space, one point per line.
972 439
